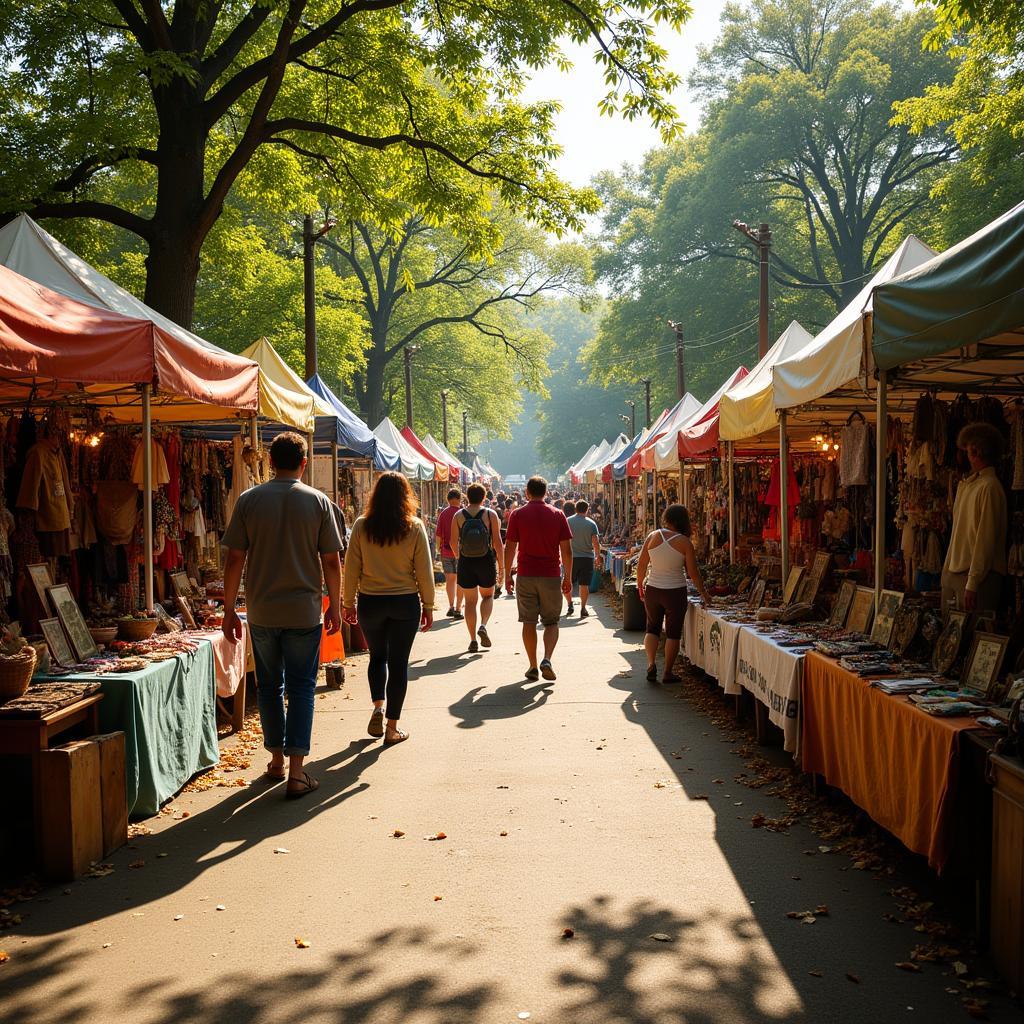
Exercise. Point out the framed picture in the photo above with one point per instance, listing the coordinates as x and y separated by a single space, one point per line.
796 574
862 608
1015 690
904 628
757 594
950 642
39 574
180 584
820 566
67 610
885 616
844 599
186 613
981 671
60 649
807 592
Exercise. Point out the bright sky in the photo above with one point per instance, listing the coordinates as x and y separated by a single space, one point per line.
594 143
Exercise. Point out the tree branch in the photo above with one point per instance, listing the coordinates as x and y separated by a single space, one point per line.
97 211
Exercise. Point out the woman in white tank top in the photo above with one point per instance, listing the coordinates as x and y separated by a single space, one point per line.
666 559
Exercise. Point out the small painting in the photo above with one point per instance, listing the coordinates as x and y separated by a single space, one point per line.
757 594
984 662
60 649
70 615
950 642
39 574
885 616
796 574
181 585
844 599
904 628
186 612
861 611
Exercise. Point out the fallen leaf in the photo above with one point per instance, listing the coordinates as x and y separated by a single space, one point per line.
816 974
852 977
398 833
4 956
824 849
178 917
960 967
976 1008
437 899
567 933
502 833
525 1013
907 965
137 863
100 871
436 838
821 910
700 796
303 943
220 906
757 820
162 855
107 945
659 785
660 937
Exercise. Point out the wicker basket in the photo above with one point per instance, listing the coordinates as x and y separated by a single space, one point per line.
16 673
103 634
137 629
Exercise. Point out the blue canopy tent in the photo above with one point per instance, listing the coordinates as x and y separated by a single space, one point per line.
354 438
622 460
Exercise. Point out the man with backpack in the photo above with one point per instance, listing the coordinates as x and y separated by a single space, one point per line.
476 541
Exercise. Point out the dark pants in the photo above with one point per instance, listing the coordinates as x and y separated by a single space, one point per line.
668 607
287 660
389 622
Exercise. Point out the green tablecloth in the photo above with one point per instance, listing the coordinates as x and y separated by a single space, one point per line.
168 712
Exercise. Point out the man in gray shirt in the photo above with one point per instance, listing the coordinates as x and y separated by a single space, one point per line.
285 535
586 547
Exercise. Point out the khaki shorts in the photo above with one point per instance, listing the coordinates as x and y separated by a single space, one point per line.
539 597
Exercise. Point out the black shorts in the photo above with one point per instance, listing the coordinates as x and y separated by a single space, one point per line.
668 607
477 572
582 571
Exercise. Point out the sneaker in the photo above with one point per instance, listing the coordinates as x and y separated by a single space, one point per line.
584 614
484 638
546 670
458 616
450 614
473 647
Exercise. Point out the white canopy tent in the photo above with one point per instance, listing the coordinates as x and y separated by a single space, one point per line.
595 457
573 471
618 446
414 465
435 447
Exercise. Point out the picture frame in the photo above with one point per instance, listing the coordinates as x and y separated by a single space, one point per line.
186 612
39 574
66 609
984 663
181 584
57 641
885 616
906 623
950 642
807 593
862 609
821 565
844 599
757 594
796 574
1015 690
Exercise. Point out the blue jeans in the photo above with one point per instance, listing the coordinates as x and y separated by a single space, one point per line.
287 660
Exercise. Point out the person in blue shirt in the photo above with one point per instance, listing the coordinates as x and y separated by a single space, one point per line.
586 547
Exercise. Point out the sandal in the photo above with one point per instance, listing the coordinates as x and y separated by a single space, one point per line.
278 776
305 785
400 738
652 674
376 726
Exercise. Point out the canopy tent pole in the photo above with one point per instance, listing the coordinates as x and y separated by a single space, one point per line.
334 470
147 491
682 484
309 463
254 431
732 503
685 478
784 493
881 441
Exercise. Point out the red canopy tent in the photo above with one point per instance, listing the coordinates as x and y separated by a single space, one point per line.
442 471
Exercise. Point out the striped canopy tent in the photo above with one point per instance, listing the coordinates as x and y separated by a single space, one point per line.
698 436
442 467
458 472
670 422
413 465
354 437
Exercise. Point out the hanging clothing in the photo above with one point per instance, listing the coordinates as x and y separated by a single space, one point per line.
116 507
45 488
158 466
855 454
774 496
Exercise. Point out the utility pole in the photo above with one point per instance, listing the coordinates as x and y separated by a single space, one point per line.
407 353
632 417
444 418
465 434
677 329
647 397
762 239
309 240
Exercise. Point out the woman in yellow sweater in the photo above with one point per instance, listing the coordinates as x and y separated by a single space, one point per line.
389 572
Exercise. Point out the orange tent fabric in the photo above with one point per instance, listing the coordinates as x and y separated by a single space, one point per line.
56 344
891 759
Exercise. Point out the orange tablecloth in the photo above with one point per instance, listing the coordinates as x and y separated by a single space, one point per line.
895 762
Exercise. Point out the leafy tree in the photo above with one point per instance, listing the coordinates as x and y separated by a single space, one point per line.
183 103
422 287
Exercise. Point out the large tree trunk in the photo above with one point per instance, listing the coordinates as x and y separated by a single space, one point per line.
179 224
373 407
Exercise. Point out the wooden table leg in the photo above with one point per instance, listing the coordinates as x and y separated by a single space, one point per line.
238 707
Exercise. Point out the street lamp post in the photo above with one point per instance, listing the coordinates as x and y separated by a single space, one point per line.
632 417
762 239
465 433
309 240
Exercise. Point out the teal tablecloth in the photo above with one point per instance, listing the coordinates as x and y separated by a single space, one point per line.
168 712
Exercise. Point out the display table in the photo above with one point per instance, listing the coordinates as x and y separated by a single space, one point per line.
891 759
710 643
168 713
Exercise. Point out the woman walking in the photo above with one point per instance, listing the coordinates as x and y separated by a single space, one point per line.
476 540
669 555
389 592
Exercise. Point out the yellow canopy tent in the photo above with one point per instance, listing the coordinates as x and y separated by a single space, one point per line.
284 398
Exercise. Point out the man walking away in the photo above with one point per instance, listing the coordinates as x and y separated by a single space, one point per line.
449 559
476 540
586 547
541 535
285 535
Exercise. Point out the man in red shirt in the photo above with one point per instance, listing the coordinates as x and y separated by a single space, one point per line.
449 560
542 536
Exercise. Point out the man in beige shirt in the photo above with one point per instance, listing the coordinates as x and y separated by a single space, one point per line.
972 576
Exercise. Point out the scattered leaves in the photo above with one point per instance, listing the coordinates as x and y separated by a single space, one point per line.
140 863
302 943
436 837
976 1008
100 871
660 937
908 965
568 933
850 976
4 956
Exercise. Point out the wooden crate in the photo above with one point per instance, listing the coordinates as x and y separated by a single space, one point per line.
113 790
70 812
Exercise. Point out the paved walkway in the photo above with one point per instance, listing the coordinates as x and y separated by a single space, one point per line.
576 804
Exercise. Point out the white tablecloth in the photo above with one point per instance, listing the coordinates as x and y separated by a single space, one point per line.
772 674
710 642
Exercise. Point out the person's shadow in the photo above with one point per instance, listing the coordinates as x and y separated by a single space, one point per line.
509 701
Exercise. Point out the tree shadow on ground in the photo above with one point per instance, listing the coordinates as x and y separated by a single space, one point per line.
480 705
398 975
